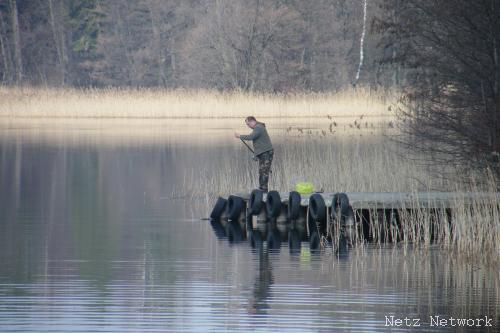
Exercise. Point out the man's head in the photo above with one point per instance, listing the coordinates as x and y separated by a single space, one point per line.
251 121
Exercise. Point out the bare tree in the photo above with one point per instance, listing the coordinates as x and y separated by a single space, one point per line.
245 45
361 44
17 41
452 100
6 53
56 24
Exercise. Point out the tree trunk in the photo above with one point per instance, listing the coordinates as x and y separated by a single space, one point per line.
58 35
5 61
17 42
158 49
173 64
496 88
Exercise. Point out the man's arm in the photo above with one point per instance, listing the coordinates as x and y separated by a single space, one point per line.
254 135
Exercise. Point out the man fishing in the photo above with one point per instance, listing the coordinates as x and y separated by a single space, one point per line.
262 149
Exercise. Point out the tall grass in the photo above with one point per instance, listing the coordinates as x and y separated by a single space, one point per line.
154 103
365 163
323 138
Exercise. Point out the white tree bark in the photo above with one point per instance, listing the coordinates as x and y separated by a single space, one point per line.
361 46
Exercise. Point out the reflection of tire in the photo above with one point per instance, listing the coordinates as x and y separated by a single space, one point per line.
293 240
234 207
314 241
342 249
234 232
255 239
218 208
273 204
255 201
317 207
218 229
294 205
273 239
340 201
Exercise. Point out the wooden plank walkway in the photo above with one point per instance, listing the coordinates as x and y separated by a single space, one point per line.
401 200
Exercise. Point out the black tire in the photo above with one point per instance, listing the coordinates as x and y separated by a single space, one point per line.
273 204
234 207
248 221
340 201
294 241
255 201
218 209
317 207
273 239
314 241
294 205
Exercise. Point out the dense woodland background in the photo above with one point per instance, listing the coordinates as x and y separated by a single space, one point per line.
442 57
272 45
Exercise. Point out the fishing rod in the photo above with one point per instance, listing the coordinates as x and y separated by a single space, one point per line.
253 152
247 146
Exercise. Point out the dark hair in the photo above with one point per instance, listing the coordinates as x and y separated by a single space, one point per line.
250 118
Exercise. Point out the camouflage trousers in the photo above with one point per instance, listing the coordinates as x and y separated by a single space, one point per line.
265 160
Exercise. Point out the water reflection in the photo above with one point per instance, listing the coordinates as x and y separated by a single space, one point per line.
258 302
94 238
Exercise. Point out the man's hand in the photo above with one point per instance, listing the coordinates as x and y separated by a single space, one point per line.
236 135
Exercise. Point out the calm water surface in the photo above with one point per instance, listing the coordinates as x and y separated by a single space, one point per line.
94 238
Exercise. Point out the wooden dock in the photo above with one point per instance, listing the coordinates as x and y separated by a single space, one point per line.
398 200
372 216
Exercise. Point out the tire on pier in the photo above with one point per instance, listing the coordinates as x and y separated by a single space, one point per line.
340 202
273 204
294 200
317 207
255 201
234 206
218 209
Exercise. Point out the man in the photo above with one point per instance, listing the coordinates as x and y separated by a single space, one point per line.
263 149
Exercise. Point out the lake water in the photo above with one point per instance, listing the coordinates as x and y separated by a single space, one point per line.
97 235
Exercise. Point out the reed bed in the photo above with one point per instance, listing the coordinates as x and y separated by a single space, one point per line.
366 163
346 152
422 274
156 103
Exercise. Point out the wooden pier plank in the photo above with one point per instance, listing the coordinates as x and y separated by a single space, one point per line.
401 200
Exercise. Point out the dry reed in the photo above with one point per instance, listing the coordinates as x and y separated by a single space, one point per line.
154 103
355 163
353 156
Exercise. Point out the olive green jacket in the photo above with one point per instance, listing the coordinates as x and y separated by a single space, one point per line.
260 139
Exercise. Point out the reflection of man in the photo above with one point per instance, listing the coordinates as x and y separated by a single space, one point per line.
263 281
262 147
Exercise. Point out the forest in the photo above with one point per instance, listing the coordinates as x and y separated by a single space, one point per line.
258 45
441 57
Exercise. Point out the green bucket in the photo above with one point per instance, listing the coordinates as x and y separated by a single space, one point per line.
304 187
